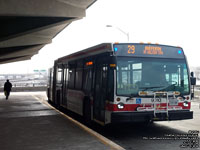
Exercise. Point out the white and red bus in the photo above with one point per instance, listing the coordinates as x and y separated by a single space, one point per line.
123 82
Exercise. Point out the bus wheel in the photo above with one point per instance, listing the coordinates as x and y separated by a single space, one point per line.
87 111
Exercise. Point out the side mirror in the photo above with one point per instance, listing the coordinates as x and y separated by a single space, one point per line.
193 80
192 74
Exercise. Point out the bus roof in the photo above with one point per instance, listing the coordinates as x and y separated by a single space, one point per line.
98 49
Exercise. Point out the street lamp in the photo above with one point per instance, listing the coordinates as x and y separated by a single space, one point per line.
126 33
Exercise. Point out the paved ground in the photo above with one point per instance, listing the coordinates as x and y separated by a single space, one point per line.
27 124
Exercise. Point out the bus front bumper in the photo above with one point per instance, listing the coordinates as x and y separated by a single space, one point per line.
120 117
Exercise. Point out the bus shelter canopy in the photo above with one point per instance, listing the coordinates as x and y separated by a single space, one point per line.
28 25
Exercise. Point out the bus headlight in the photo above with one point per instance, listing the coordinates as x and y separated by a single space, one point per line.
185 104
120 106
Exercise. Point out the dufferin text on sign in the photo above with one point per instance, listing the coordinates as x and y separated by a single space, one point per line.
153 50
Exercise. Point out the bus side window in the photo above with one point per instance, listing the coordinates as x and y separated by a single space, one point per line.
71 78
78 83
87 80
59 75
79 75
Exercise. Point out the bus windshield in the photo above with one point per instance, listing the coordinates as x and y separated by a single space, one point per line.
151 74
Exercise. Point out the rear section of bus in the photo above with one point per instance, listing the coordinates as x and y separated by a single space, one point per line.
151 83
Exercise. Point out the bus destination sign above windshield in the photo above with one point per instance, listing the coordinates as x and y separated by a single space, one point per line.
153 50
148 50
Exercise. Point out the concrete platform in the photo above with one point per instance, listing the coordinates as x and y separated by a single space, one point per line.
26 123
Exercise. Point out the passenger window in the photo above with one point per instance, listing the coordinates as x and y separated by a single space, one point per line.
59 75
87 82
71 78
79 73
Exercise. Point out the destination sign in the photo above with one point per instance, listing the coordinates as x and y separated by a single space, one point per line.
148 50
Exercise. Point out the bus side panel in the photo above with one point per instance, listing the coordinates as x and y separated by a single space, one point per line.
75 101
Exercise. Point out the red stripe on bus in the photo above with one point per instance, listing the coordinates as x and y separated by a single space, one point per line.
133 107
127 107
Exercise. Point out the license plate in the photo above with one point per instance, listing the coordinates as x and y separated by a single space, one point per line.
173 101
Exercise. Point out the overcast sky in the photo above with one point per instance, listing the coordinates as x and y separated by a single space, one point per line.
168 22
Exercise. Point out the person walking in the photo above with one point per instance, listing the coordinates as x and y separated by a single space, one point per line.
7 88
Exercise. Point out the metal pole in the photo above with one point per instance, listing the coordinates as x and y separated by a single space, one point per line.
126 33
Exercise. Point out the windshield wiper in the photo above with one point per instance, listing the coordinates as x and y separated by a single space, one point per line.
169 87
151 87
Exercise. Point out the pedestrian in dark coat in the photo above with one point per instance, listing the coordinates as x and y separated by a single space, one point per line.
7 88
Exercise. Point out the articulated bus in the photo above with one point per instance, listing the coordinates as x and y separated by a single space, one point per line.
123 82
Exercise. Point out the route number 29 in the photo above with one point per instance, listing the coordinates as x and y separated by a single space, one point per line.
131 49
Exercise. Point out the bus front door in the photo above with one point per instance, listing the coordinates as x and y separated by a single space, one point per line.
100 93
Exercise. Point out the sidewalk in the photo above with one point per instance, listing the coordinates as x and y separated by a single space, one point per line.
28 124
